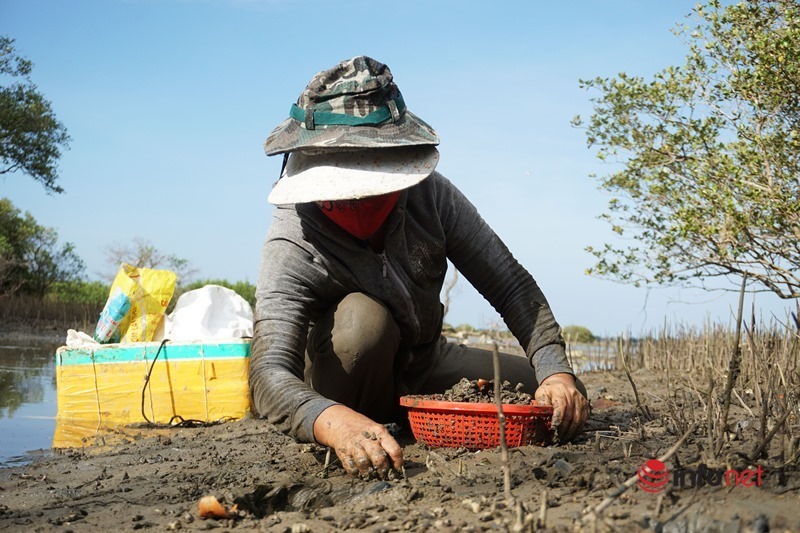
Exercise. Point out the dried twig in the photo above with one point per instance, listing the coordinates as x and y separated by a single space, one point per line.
696 390
328 464
710 414
741 402
639 406
541 522
763 444
734 366
501 422
766 400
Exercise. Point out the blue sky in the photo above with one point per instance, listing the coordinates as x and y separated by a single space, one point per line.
168 103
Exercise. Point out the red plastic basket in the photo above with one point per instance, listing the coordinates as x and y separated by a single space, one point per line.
474 425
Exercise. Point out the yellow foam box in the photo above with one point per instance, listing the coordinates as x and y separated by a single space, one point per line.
102 387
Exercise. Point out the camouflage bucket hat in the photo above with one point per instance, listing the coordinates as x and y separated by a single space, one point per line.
353 105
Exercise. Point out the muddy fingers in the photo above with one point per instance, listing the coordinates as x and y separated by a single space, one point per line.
570 408
364 447
380 460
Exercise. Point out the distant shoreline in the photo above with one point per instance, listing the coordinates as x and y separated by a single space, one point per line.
34 330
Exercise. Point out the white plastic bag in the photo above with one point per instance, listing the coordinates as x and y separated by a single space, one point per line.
210 312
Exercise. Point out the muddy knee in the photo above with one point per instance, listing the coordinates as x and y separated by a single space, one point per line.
360 330
363 329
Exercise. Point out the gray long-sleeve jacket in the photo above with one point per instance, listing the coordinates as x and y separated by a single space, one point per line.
309 264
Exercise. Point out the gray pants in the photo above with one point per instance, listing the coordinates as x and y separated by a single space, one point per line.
351 359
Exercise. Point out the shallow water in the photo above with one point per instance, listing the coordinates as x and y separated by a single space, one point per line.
590 357
27 400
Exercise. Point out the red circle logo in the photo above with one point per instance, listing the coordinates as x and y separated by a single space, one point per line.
653 476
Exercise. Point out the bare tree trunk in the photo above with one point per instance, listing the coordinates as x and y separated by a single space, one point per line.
447 289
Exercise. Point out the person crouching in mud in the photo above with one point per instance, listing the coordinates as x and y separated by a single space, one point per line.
348 316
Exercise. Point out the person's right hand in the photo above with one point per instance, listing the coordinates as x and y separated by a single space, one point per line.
361 444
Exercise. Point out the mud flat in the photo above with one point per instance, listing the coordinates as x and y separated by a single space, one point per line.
146 480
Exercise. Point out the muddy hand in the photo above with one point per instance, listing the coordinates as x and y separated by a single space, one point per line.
363 446
570 408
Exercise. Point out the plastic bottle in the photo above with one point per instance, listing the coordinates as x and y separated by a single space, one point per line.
116 308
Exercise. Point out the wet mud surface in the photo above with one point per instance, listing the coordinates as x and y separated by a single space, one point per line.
155 481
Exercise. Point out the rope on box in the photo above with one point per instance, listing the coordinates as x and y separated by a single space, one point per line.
177 421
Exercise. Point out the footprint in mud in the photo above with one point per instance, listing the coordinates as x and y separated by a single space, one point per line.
271 498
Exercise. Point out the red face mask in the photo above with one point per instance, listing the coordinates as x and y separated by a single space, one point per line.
360 218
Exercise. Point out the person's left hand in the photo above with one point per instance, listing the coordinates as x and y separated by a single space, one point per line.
570 408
